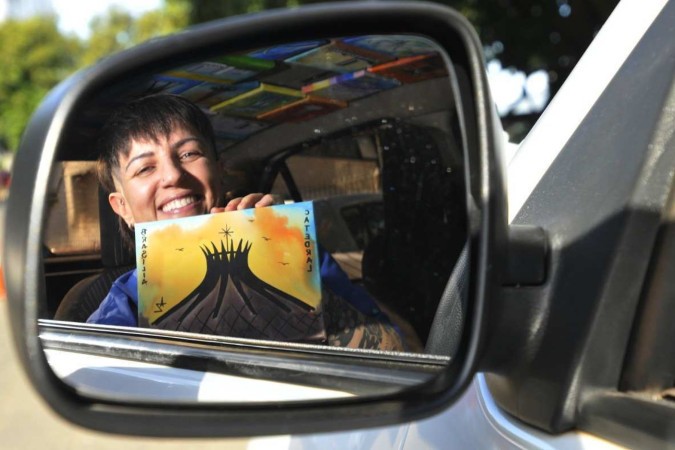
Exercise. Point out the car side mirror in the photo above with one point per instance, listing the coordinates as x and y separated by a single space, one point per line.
426 91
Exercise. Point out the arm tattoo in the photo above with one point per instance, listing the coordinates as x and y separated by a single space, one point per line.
347 327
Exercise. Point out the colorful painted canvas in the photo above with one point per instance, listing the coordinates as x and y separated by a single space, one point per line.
251 273
340 57
350 86
258 101
305 109
166 84
399 46
207 94
229 69
413 69
284 51
296 75
235 128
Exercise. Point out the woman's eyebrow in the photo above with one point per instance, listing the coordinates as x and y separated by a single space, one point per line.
142 155
175 146
179 144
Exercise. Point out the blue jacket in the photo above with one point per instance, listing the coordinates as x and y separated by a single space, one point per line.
120 306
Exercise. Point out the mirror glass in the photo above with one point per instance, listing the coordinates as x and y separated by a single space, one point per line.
331 292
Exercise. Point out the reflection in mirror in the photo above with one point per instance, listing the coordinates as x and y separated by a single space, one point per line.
365 129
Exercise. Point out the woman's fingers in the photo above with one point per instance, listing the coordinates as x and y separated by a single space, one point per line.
256 200
250 201
232 204
267 200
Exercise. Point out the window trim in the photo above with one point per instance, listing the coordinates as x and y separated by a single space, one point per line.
357 371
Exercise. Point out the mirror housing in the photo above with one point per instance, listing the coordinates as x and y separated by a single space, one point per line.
487 221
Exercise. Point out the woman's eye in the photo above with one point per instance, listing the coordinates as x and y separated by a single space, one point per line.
190 155
144 170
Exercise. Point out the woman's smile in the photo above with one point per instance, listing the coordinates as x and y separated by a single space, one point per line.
181 204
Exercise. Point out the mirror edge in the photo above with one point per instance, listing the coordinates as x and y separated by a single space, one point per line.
487 225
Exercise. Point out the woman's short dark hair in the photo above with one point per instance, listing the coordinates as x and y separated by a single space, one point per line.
147 118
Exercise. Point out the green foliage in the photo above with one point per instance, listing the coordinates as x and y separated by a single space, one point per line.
110 33
34 58
532 35
117 30
199 11
170 19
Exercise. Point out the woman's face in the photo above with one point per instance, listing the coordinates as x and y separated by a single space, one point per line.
173 177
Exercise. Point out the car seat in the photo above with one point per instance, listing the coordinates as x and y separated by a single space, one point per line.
446 329
408 266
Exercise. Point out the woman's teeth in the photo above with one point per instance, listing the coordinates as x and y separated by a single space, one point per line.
179 203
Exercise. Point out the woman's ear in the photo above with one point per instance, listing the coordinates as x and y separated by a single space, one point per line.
121 207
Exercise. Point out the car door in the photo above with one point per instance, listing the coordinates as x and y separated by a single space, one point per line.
595 173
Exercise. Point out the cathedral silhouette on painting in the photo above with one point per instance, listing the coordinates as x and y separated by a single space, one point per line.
232 301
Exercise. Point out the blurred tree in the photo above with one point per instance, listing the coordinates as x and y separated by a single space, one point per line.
34 58
117 30
110 33
204 10
532 35
170 18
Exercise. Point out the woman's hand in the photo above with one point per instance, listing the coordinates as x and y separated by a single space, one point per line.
256 200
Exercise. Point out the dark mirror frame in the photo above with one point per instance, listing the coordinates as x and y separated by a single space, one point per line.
487 221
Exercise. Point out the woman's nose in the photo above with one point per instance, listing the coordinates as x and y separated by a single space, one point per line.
171 172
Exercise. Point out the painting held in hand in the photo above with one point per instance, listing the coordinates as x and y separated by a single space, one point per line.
252 273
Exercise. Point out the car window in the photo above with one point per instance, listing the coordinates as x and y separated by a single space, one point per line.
72 210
